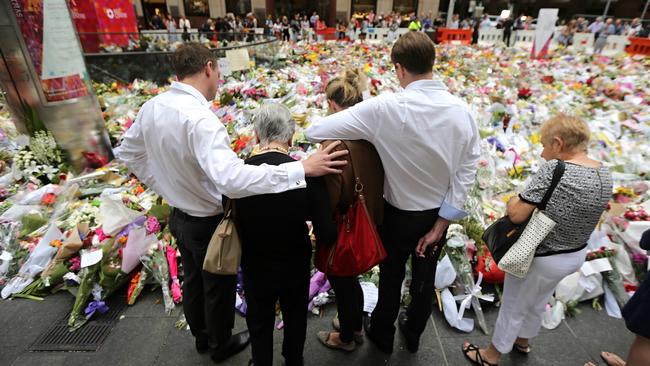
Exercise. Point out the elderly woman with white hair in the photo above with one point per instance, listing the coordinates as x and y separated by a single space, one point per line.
276 248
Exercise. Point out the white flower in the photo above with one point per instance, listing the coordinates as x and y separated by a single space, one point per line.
50 172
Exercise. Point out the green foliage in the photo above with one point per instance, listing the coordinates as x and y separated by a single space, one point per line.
31 223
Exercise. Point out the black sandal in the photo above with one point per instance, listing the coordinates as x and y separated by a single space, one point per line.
524 350
479 359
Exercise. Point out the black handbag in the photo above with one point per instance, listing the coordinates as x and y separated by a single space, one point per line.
503 233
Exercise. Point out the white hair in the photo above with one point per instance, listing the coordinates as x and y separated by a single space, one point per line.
273 122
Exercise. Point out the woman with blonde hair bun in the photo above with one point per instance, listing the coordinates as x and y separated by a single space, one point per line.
343 92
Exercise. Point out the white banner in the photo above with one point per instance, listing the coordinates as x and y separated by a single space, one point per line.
61 52
544 31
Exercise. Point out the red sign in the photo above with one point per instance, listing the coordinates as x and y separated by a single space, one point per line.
104 17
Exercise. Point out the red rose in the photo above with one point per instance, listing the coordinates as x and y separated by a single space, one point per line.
48 199
94 160
524 93
548 79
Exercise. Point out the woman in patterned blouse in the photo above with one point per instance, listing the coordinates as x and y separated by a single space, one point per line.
576 205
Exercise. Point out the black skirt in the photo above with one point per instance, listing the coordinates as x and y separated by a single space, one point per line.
637 310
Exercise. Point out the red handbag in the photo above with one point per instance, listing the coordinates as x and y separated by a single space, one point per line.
358 247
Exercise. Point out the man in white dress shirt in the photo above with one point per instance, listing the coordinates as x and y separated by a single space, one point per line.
428 143
181 150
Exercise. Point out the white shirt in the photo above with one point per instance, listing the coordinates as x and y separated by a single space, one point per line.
181 150
184 23
426 138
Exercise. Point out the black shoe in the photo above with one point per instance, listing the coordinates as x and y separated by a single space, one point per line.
201 345
412 341
383 346
234 345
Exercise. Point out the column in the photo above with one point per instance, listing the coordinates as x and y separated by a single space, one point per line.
428 6
385 6
343 9
177 3
138 8
259 9
217 8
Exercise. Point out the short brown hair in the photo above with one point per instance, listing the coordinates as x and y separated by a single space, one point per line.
572 130
415 51
190 58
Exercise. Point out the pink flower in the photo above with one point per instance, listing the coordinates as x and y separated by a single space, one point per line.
101 235
75 264
152 225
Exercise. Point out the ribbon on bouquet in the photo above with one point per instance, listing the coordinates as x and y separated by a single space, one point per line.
474 292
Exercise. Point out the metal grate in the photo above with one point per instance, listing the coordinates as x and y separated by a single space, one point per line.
88 338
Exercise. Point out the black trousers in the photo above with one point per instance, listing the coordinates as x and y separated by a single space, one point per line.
208 299
349 301
506 38
400 234
262 292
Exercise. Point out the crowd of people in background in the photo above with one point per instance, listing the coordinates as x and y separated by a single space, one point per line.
302 26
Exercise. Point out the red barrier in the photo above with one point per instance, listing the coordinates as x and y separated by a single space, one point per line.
329 34
638 46
454 36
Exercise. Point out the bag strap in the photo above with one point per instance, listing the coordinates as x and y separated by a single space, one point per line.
558 172
227 211
358 185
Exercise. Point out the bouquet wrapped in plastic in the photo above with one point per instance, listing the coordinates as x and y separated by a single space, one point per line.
613 279
456 250
52 277
36 262
10 250
155 261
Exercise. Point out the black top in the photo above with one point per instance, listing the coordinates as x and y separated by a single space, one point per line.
644 243
273 230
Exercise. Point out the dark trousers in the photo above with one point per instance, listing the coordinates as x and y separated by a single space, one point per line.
506 38
208 299
349 301
400 234
262 293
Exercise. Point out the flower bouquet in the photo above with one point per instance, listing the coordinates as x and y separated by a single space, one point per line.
36 262
155 261
52 278
106 272
41 159
640 265
456 250
139 279
613 278
10 250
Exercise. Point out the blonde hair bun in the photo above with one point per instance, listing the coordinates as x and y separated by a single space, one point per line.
346 90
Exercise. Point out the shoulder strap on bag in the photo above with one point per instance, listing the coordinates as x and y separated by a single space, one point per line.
557 175
358 185
228 210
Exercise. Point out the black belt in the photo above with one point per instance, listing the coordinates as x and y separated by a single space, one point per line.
392 208
186 217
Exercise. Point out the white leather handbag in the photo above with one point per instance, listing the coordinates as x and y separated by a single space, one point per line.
518 258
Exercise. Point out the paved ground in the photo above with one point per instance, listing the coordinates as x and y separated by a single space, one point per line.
145 336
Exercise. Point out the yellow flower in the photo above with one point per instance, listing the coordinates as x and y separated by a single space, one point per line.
516 171
535 138
625 191
507 197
